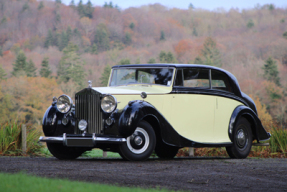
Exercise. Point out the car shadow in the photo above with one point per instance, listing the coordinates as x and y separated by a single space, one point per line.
113 159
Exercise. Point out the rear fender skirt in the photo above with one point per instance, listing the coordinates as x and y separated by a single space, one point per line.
258 130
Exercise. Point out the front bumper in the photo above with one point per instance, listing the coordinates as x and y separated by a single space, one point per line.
82 141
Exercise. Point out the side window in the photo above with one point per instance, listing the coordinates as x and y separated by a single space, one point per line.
196 78
220 81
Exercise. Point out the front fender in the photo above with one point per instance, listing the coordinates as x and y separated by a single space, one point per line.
131 115
139 110
52 122
258 130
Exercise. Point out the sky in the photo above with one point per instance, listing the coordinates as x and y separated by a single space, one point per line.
183 4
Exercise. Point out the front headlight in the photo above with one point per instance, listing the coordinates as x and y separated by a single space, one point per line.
109 103
64 103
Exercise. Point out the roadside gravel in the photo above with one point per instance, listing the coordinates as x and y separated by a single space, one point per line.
196 174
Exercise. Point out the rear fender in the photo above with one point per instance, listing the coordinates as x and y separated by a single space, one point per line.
259 133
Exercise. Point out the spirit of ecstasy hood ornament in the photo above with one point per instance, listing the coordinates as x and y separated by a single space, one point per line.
90 83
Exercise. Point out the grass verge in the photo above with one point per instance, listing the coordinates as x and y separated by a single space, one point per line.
25 183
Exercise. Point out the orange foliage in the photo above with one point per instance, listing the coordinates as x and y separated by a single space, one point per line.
264 116
29 97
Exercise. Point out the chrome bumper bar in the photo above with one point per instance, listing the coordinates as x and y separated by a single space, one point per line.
81 141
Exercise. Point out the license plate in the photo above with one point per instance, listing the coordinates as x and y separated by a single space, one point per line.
79 142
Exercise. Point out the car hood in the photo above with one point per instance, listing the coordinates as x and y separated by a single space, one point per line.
133 89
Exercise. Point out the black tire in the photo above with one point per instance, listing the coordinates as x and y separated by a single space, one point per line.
242 140
62 152
165 151
140 144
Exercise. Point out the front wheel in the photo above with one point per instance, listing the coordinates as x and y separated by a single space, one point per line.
242 140
140 144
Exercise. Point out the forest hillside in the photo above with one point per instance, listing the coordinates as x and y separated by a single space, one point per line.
48 48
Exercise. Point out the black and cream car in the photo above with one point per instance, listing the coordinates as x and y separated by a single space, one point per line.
155 107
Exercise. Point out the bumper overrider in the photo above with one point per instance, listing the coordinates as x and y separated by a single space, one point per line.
82 140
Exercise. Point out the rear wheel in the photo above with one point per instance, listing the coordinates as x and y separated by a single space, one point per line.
62 152
242 140
140 144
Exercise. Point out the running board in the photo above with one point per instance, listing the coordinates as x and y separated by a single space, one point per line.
260 144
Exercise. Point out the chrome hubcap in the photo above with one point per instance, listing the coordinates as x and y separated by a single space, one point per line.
138 142
241 139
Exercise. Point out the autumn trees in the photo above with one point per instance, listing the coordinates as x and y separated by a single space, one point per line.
71 44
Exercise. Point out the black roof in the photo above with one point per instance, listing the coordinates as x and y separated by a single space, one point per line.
231 76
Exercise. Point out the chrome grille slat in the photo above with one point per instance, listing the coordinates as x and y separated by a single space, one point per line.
88 108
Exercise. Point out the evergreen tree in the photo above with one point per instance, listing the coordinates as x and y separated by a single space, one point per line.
64 40
19 67
72 4
190 6
41 5
198 60
89 10
2 73
285 35
162 35
59 1
271 72
30 69
45 68
194 32
25 7
69 33
102 38
81 9
151 60
71 66
49 39
58 18
105 76
167 57
128 39
124 62
94 49
132 26
210 53
250 24
4 20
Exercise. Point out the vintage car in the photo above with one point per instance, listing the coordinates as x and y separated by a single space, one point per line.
155 107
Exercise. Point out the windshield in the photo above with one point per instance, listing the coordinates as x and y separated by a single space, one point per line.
157 76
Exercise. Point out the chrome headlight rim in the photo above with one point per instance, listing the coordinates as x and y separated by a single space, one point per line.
115 103
68 105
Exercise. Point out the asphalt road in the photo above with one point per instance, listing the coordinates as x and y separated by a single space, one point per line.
196 174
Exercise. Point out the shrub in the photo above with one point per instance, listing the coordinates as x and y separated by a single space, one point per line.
11 140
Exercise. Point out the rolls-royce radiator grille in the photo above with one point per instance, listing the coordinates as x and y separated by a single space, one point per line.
88 107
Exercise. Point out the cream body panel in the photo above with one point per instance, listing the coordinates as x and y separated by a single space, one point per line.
193 116
155 100
124 94
223 111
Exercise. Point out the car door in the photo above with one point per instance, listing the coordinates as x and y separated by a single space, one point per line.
192 110
224 105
